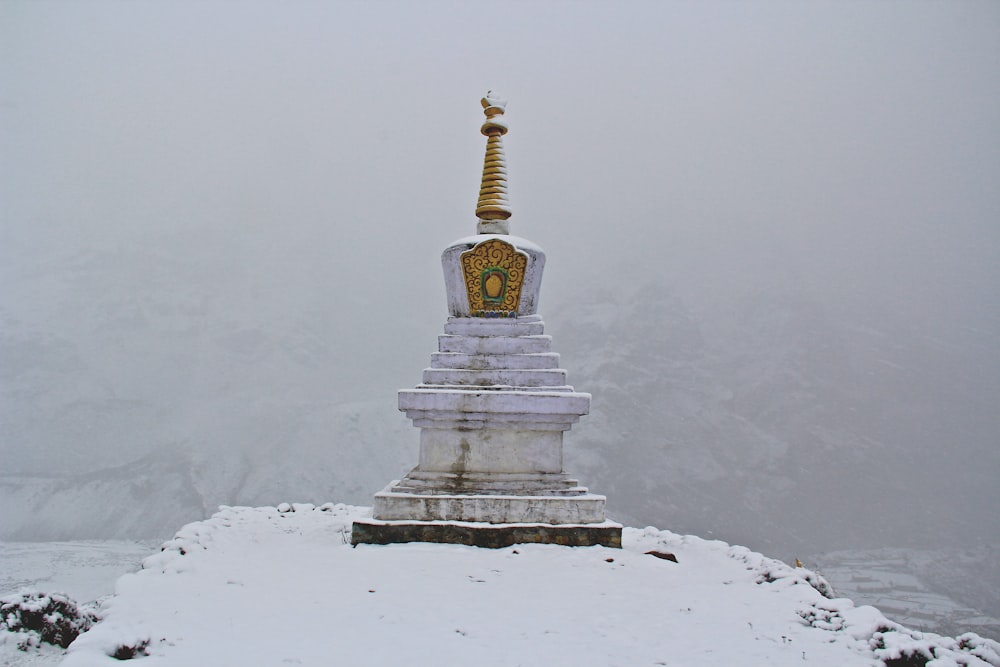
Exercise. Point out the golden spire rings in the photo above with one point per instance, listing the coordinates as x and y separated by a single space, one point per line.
493 207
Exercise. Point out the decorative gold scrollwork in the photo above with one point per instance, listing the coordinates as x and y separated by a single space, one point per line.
494 272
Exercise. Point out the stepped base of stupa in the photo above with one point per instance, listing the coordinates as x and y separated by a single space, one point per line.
491 536
491 410
488 510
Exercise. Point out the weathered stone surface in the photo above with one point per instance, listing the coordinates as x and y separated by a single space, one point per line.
391 505
607 534
474 483
464 432
491 450
553 377
540 360
474 326
495 344
470 421
486 401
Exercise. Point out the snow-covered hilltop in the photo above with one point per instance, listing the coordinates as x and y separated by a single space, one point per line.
273 586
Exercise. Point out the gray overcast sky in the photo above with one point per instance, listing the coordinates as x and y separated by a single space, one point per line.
853 125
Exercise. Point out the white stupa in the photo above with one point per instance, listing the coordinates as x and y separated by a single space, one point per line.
494 404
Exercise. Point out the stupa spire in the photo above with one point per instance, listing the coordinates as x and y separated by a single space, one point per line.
493 208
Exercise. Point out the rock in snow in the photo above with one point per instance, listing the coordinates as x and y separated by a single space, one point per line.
270 586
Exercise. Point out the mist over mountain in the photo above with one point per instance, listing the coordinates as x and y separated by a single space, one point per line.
789 432
771 420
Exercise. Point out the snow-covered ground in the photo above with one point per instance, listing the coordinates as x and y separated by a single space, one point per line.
260 586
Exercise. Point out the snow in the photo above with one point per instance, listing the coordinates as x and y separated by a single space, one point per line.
270 586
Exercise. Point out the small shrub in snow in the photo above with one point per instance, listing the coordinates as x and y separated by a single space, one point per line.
824 617
40 618
901 647
915 660
127 652
985 649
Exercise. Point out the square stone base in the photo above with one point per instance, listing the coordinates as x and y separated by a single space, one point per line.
392 505
491 536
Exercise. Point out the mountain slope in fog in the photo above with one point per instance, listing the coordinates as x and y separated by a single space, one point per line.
774 423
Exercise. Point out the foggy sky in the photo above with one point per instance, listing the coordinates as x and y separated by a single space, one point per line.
319 156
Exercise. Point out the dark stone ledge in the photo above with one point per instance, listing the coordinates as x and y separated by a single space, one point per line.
490 536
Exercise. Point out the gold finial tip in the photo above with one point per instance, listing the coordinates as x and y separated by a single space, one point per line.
491 101
494 108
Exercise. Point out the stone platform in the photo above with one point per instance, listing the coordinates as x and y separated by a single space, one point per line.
490 536
392 504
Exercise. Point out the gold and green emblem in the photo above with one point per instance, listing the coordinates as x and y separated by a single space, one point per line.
494 272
